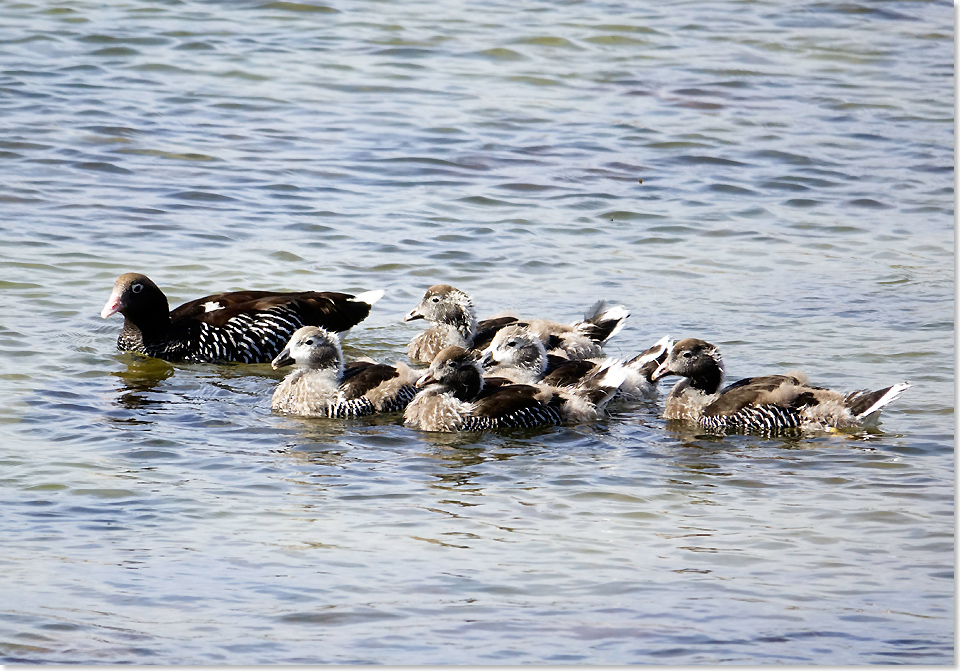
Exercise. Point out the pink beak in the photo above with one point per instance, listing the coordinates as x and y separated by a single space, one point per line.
112 307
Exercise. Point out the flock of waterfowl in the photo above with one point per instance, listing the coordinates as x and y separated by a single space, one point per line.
491 374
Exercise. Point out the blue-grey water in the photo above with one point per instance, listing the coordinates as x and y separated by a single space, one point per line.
775 178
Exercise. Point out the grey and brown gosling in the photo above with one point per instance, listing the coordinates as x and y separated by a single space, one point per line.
454 396
453 322
769 403
324 386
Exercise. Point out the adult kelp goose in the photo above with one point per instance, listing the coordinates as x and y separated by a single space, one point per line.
455 396
323 386
243 326
518 355
768 404
453 322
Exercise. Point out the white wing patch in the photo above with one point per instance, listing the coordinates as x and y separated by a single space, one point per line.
210 306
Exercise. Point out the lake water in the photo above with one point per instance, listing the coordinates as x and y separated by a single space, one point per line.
775 179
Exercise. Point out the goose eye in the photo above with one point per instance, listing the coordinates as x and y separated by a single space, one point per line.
687 354
136 288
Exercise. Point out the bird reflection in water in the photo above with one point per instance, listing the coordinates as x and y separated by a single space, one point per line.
140 380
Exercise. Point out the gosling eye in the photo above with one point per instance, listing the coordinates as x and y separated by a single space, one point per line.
512 343
308 342
687 354
136 288
435 299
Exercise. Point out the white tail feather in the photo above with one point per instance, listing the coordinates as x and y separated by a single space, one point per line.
890 396
369 297
599 313
656 351
605 378
594 310
611 373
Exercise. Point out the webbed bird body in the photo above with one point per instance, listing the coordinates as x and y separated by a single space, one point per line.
323 386
453 322
455 397
519 355
768 403
240 326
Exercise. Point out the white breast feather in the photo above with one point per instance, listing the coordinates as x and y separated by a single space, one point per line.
688 404
306 393
425 346
432 411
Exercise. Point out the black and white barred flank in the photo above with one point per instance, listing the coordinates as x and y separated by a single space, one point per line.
527 418
401 400
251 337
763 418
360 407
357 407
168 350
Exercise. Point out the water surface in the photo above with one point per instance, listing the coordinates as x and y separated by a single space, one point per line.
777 180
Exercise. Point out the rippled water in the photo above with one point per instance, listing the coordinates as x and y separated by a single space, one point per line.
776 179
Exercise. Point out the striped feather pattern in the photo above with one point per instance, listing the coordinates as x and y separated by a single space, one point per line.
527 418
253 337
767 418
400 401
358 407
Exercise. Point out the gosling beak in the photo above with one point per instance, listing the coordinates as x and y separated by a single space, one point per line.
282 359
662 371
486 359
413 314
425 379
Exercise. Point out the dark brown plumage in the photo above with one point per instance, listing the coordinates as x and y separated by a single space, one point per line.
567 373
487 328
244 326
360 377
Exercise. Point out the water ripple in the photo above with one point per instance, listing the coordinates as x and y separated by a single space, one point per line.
754 175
